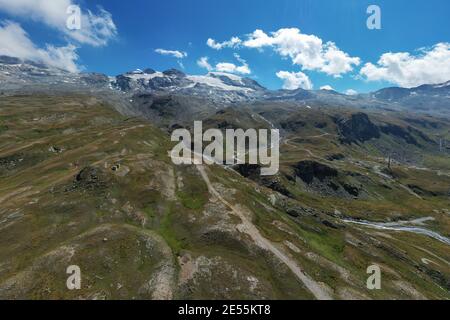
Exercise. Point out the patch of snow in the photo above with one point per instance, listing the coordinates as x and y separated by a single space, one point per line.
216 83
144 76
229 75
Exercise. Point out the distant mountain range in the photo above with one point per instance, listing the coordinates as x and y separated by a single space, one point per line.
217 88
426 98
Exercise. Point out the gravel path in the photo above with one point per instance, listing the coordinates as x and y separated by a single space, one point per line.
249 228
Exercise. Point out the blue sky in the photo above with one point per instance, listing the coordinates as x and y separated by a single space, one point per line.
143 26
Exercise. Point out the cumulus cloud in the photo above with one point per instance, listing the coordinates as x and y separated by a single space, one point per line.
307 51
327 87
351 92
259 39
429 66
232 43
295 80
174 53
232 68
226 67
97 29
14 41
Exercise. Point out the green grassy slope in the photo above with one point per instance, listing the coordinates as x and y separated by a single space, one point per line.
82 185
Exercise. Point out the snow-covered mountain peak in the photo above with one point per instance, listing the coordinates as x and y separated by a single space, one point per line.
218 86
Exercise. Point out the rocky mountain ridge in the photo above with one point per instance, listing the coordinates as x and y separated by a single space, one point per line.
219 88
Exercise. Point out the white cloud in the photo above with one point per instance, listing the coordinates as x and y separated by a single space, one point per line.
173 53
232 68
307 51
232 43
295 80
14 41
430 66
203 63
226 67
327 87
351 92
259 39
97 29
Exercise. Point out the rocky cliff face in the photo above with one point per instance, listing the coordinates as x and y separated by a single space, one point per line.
357 128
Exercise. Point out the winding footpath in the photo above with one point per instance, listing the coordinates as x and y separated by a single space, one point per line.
249 228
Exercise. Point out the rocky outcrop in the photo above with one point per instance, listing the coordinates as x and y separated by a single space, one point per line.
97 79
122 83
325 180
357 128
174 73
399 132
89 179
11 162
253 172
310 170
